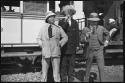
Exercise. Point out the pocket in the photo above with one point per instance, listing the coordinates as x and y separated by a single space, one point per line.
74 29
43 44
58 44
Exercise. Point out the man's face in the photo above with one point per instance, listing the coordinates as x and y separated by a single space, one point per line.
112 23
92 23
67 13
51 19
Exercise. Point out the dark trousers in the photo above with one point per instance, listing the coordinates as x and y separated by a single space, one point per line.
67 67
98 54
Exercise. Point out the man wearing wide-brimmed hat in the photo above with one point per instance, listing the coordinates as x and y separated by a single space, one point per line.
97 37
70 26
49 40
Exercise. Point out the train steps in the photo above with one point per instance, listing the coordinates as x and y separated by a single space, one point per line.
113 56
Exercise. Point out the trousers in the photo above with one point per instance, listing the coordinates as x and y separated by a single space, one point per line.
55 65
98 54
67 67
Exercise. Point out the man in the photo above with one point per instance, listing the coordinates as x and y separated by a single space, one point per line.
49 40
113 28
97 36
70 26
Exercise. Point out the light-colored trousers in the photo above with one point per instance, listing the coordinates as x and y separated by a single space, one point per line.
100 62
55 65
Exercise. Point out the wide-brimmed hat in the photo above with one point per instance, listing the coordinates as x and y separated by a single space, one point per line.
48 14
69 9
93 17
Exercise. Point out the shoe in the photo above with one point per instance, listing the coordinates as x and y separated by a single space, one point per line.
70 79
64 79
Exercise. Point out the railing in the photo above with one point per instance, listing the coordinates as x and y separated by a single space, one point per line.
81 23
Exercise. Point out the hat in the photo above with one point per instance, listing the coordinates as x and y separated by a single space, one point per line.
48 14
111 20
93 17
69 9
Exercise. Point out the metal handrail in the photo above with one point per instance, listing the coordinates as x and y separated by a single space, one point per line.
80 21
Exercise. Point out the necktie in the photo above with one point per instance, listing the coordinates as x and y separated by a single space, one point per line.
50 31
67 24
94 29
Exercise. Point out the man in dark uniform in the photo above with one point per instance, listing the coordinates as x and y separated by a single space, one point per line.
70 26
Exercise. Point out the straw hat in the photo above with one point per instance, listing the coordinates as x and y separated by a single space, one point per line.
93 17
48 14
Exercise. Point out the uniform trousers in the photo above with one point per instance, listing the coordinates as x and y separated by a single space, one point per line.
55 65
67 67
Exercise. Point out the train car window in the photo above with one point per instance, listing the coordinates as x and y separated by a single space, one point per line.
35 7
52 6
10 6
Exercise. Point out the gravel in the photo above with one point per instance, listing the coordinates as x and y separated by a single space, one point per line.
112 74
28 77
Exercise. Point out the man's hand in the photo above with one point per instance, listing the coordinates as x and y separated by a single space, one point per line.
81 45
40 43
106 43
77 48
60 44
111 31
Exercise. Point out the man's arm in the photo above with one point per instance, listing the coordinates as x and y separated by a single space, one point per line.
106 32
39 38
85 34
64 37
112 30
77 35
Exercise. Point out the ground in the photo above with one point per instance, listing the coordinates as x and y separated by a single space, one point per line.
112 74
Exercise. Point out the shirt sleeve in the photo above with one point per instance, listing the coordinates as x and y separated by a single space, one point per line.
85 35
39 34
106 32
39 37
64 38
77 35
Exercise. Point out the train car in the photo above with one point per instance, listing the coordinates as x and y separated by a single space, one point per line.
21 21
20 24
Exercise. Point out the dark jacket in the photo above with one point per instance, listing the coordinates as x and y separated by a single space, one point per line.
73 36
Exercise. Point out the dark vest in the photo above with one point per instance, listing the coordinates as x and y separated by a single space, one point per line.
94 42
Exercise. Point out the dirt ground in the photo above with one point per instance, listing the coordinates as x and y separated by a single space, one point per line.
112 74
